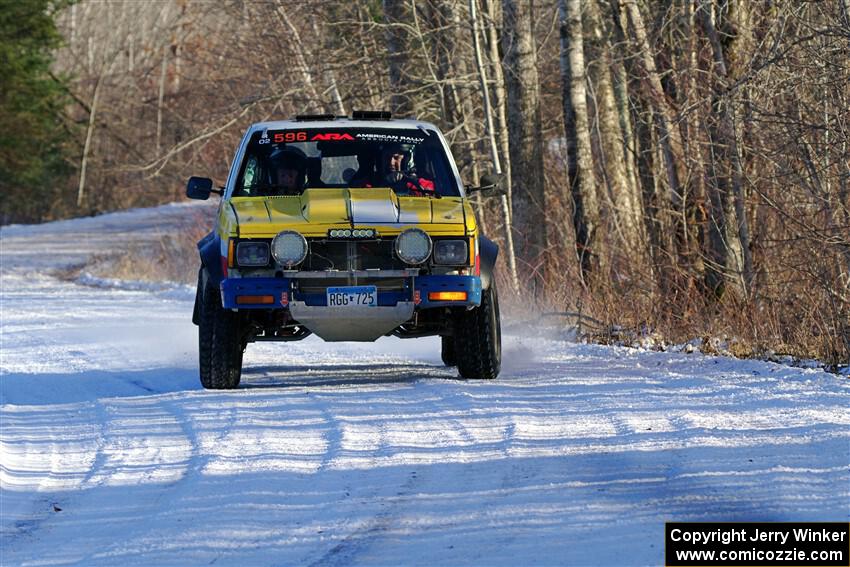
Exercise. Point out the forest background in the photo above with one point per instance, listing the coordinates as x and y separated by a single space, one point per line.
676 169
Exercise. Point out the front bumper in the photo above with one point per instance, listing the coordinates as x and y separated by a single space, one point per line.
416 289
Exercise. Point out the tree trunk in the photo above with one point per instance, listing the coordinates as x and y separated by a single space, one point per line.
499 98
657 228
452 68
394 15
668 137
329 76
842 211
368 48
162 78
623 191
81 187
448 66
589 242
313 103
730 243
621 92
422 41
670 207
692 146
740 44
491 135
526 141
458 110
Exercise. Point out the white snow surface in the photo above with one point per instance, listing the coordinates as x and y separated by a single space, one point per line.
371 453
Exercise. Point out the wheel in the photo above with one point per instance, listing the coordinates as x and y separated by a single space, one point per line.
205 305
448 351
196 310
220 344
478 338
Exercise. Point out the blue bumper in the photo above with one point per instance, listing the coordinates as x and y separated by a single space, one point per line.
283 290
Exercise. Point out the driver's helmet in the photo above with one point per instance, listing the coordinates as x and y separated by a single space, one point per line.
289 158
407 167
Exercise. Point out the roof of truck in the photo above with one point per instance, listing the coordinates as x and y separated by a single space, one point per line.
343 121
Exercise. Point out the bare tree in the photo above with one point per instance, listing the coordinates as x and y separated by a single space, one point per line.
494 152
726 242
615 156
526 143
394 14
499 97
590 246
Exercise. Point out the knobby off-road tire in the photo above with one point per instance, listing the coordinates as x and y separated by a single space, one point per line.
448 351
478 338
220 345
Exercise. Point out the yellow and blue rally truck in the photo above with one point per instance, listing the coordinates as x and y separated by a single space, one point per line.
350 229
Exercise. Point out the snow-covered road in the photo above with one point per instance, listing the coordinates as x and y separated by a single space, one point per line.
344 454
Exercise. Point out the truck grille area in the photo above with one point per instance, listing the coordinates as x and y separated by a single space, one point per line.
352 255
320 286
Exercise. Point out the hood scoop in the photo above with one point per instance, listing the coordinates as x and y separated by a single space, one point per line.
373 206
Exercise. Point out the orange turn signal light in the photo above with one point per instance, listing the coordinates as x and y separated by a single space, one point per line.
447 296
262 299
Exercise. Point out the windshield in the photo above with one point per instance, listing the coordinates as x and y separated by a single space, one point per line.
285 162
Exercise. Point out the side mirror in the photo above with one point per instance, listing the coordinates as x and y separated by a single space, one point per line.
491 185
199 188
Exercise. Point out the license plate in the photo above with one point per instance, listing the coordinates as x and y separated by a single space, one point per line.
353 296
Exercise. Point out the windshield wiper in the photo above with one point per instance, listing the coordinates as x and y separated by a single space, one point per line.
265 187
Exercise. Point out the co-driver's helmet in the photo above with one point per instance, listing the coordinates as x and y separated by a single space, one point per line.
407 165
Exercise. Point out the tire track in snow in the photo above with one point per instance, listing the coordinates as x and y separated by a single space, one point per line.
102 417
165 498
370 531
57 466
138 443
334 434
393 500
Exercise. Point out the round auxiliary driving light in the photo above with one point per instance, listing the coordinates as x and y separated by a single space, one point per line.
289 248
413 246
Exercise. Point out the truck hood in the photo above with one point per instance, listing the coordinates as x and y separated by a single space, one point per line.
318 208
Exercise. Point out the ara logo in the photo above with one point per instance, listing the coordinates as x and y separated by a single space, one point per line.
331 137
264 139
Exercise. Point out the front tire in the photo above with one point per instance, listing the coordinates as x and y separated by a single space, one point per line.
448 351
219 343
478 338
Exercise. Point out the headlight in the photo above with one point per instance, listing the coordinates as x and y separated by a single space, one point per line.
450 252
413 246
289 248
252 253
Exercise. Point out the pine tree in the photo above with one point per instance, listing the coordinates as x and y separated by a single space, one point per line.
33 140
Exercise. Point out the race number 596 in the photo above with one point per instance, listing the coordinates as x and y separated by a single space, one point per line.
290 137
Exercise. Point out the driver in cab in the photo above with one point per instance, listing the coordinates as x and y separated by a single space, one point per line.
396 170
289 170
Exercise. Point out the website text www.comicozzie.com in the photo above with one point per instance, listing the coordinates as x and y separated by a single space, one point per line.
710 555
